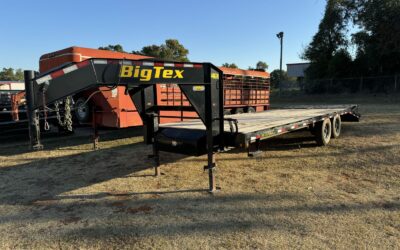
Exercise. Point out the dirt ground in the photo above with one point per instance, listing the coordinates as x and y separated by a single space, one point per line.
295 195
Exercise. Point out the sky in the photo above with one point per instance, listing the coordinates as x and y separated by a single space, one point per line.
217 31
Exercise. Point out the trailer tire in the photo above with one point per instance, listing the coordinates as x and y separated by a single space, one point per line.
250 110
323 132
238 111
82 110
227 112
336 126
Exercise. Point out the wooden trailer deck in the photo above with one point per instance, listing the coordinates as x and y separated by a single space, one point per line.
263 125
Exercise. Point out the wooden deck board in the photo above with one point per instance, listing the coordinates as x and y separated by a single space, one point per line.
252 122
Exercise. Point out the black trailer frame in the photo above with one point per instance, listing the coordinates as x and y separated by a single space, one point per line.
200 82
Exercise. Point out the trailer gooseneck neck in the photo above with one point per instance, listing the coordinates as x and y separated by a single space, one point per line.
200 82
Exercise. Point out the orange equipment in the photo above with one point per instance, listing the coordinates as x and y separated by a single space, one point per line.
244 90
115 108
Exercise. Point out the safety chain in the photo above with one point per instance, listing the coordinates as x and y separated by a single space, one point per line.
67 123
46 123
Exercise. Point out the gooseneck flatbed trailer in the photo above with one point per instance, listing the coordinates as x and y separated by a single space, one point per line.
202 85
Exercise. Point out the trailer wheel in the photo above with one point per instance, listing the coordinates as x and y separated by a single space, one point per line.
82 110
250 110
238 111
227 112
323 132
336 126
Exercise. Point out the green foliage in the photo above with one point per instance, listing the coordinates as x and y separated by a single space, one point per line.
116 48
377 40
171 50
8 74
261 66
328 40
378 43
230 65
275 76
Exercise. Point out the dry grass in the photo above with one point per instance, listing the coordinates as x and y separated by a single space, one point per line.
296 195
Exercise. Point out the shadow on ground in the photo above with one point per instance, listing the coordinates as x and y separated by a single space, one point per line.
53 140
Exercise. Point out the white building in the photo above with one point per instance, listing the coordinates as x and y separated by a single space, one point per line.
296 69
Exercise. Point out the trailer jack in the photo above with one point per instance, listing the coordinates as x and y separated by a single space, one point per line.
253 151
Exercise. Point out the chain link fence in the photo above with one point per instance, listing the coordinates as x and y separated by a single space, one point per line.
376 84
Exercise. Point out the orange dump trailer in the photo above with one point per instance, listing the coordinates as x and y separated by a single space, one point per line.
244 90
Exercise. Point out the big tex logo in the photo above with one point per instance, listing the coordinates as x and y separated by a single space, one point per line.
146 75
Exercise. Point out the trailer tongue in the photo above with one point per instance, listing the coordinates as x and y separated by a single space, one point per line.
201 83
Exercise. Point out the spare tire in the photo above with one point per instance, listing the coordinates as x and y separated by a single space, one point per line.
82 111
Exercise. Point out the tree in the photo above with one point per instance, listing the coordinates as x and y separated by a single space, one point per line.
19 75
328 40
116 48
275 75
261 66
340 65
172 50
230 65
7 74
151 50
378 42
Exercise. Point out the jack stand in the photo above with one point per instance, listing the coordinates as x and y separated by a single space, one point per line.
211 167
33 117
156 157
256 152
95 132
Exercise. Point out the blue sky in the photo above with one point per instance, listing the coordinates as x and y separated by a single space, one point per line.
218 31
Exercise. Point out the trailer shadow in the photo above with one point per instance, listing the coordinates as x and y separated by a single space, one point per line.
48 177
19 144
139 216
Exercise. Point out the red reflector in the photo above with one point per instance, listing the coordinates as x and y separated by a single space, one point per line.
258 136
112 61
159 64
57 74
179 65
137 63
197 65
83 64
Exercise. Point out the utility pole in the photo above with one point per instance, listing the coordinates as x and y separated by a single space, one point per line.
280 37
